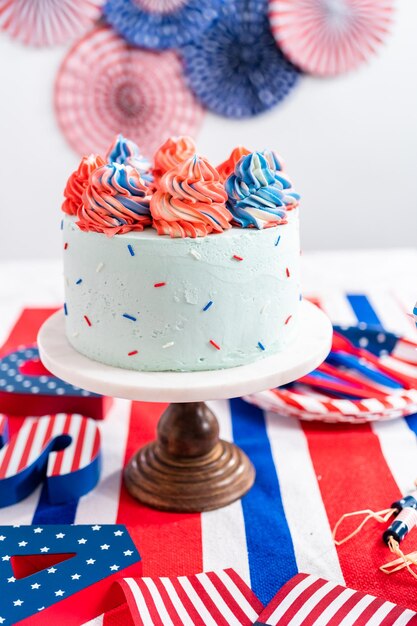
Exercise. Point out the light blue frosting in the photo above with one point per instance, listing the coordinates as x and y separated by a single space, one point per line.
126 152
257 192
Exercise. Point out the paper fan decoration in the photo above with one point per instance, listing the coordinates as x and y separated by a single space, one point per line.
160 23
48 22
105 87
235 69
328 37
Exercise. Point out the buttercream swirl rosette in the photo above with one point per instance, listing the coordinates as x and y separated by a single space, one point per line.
77 183
227 168
274 161
127 152
190 201
258 196
115 201
174 150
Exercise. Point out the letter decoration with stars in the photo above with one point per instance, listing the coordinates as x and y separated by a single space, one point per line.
84 562
27 388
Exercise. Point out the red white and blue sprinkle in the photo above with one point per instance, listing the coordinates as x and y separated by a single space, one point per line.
99 267
237 258
62 224
261 345
65 246
79 281
132 353
130 317
208 305
277 241
288 319
87 320
129 247
287 271
168 345
195 254
214 344
65 309
159 284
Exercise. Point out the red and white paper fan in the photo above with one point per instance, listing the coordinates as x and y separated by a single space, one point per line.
328 37
105 87
48 22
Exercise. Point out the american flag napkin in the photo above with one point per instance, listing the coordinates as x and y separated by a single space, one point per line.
219 598
313 601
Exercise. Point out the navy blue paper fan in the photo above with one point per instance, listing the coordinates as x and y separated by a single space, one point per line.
235 68
160 24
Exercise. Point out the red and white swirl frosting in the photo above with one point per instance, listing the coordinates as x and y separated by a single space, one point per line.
115 201
190 201
227 168
77 183
174 151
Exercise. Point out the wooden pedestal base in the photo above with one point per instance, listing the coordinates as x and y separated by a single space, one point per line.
188 468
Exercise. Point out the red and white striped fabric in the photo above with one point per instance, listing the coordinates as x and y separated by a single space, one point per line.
49 22
208 599
328 37
36 433
310 600
105 87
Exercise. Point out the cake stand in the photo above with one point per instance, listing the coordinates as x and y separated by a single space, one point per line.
188 468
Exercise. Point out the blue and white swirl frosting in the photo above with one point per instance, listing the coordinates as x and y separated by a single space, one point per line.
126 152
258 195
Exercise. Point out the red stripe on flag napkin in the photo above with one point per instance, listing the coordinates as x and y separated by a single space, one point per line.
306 598
220 598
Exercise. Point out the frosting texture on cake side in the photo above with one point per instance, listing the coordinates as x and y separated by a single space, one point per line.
151 303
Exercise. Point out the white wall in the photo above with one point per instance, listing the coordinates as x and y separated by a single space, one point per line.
350 145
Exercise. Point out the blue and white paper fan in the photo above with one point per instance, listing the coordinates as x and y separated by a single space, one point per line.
235 68
160 24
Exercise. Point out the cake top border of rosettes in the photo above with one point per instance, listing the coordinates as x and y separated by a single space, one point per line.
179 193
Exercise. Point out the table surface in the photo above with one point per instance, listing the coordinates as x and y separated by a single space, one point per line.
308 474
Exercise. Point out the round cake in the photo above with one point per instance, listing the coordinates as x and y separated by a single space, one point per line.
180 266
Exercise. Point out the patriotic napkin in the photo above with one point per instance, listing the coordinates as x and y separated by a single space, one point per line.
219 598
310 600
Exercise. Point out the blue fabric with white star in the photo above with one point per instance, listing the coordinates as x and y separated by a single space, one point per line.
369 337
13 381
100 551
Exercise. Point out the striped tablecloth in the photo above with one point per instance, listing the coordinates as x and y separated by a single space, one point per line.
308 474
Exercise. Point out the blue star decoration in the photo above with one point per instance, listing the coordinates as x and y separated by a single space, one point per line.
12 380
24 393
92 553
